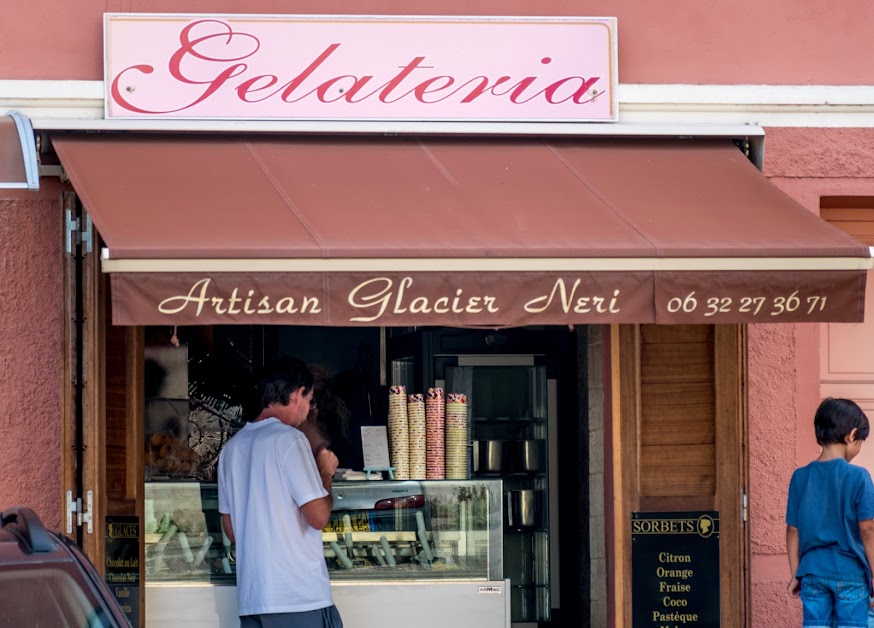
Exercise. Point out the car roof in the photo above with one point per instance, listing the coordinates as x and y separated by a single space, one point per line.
25 543
24 539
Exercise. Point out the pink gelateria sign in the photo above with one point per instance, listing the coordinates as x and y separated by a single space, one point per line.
294 67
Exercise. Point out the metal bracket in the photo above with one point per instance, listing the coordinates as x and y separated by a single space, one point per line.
70 225
53 170
82 515
744 507
87 234
757 150
72 506
87 516
84 235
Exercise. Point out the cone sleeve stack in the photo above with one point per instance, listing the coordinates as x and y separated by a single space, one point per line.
418 443
456 436
398 432
435 417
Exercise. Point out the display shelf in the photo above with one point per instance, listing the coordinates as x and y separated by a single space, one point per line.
454 532
374 537
511 411
509 432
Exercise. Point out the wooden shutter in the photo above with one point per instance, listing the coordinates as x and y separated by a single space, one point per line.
677 417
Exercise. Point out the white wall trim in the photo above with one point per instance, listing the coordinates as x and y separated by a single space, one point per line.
79 104
476 264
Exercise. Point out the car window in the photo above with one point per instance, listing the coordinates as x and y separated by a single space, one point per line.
99 619
47 596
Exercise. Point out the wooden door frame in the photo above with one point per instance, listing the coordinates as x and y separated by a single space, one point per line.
85 316
93 403
69 367
730 362
82 387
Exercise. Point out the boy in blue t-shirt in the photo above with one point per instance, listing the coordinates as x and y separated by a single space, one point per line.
830 523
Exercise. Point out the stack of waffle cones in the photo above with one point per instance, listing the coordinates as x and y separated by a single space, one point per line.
398 432
456 436
418 444
435 409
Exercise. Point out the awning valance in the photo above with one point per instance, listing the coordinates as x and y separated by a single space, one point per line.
19 168
415 231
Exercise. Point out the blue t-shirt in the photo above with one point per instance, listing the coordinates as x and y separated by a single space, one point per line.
827 500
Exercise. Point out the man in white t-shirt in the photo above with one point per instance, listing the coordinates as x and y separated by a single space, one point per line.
275 499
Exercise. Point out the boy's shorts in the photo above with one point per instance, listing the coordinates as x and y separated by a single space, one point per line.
828 603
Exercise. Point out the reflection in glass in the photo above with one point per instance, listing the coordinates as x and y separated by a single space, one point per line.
380 530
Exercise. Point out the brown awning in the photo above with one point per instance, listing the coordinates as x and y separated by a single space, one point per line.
18 163
492 232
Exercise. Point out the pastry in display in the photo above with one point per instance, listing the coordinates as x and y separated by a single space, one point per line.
167 455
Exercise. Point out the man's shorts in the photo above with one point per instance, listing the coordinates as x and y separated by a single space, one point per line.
322 618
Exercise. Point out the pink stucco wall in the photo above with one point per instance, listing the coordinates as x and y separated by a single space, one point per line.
30 360
784 362
688 41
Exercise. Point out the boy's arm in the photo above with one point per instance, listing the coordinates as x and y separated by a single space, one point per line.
792 545
866 531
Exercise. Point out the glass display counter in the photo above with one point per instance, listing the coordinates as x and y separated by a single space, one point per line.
379 531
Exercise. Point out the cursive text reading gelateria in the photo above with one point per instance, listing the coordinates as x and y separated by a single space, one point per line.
218 60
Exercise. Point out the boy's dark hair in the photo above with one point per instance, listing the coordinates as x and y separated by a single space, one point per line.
280 379
836 418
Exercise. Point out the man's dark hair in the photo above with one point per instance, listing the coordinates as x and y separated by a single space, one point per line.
280 379
836 418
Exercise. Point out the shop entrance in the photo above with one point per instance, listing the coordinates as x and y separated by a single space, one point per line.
669 400
673 387
194 395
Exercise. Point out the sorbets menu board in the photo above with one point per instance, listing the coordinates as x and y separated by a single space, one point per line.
675 569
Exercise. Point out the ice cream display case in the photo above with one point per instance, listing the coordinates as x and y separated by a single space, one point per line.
396 530
415 529
435 539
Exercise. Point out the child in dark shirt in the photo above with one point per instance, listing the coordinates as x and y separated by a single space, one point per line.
830 523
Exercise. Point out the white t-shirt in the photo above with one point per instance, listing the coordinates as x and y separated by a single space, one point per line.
266 472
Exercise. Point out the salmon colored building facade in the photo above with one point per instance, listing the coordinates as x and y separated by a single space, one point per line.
802 71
